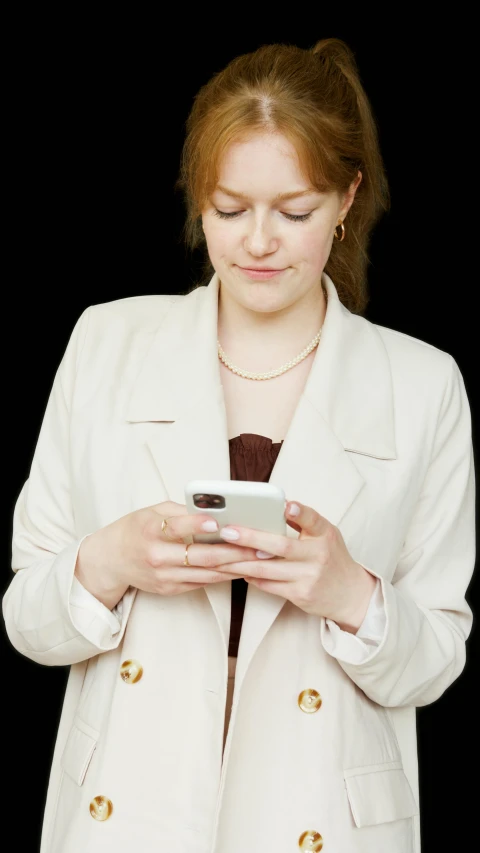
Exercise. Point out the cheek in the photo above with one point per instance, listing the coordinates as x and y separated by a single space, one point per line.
218 238
315 248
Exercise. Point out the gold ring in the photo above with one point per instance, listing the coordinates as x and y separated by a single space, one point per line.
164 528
185 559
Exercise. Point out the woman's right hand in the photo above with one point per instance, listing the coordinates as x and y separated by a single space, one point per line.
133 551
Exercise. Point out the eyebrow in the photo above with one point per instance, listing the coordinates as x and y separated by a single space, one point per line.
278 197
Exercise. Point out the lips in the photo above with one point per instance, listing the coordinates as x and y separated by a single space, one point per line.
261 273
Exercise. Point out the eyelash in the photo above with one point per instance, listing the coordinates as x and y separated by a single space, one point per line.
291 216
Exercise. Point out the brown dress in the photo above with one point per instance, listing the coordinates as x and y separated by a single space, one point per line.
252 457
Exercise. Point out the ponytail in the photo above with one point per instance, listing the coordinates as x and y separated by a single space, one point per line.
347 264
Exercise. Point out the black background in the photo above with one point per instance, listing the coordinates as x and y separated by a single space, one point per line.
97 121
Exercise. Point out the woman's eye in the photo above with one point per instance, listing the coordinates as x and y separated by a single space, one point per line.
298 217
223 215
293 217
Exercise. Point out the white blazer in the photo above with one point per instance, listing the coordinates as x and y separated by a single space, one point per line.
380 445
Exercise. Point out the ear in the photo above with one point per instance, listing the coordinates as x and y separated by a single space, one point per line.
349 196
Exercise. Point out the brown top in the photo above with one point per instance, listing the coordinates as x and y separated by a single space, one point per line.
252 457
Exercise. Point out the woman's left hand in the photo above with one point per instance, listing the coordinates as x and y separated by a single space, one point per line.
315 572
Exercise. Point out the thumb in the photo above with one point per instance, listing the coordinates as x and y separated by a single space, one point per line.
306 520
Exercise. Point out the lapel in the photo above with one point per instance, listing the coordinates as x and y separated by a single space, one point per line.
346 407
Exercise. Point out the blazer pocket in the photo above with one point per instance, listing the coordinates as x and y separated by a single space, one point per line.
379 794
79 748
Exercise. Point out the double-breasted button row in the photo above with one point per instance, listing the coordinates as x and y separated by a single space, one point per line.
309 701
101 807
310 840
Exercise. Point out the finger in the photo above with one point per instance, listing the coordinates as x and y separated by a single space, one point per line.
217 556
169 508
283 590
156 515
306 519
176 528
189 587
260 540
274 570
198 576
202 555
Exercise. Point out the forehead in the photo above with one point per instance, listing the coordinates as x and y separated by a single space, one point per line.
263 164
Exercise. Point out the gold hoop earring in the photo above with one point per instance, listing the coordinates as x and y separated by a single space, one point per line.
342 226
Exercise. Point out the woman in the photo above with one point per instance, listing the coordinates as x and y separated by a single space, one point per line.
198 717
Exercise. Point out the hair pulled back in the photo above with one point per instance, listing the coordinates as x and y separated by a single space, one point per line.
316 100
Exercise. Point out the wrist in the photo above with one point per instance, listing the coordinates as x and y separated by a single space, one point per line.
99 580
355 610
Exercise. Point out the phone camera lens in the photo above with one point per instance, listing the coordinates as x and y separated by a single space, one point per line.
209 501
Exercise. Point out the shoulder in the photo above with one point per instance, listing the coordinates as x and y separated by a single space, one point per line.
135 313
424 377
107 333
414 358
116 324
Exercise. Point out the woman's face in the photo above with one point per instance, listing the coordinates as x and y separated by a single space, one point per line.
268 232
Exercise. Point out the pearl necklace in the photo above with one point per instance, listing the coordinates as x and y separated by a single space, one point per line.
246 374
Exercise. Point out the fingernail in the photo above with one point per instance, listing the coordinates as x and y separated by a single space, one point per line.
209 526
229 533
294 509
263 555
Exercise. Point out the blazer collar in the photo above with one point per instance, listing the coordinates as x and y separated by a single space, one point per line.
349 384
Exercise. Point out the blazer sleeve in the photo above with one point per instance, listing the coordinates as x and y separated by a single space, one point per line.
428 619
46 619
355 648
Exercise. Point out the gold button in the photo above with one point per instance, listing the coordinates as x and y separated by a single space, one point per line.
309 701
101 808
310 840
131 671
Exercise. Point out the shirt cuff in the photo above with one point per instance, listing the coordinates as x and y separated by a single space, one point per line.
86 608
355 648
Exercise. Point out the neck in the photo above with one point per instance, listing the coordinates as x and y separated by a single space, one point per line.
260 341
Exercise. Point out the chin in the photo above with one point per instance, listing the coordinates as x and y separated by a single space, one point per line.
265 304
261 296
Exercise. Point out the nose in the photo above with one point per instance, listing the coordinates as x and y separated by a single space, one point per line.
260 238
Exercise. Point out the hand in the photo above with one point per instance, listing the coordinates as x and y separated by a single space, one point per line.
133 551
315 572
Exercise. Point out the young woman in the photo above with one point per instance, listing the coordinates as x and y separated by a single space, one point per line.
258 694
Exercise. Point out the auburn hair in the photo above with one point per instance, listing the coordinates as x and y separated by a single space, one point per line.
316 100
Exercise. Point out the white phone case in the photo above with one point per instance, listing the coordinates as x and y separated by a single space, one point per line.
246 503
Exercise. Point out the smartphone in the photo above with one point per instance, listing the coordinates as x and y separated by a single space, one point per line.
243 502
